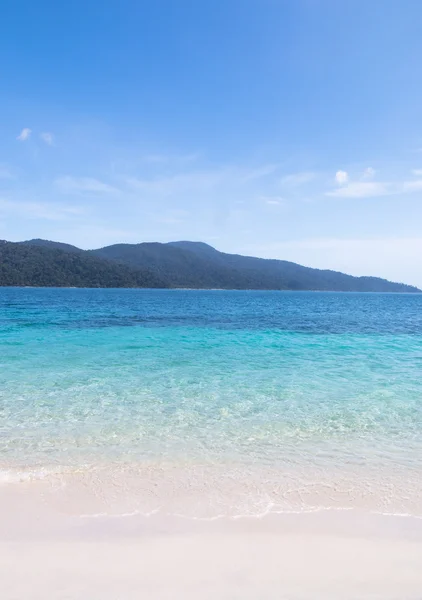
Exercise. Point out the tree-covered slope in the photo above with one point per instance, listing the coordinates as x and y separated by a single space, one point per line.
177 266
35 265
52 245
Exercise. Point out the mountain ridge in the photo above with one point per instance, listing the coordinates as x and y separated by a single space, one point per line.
181 264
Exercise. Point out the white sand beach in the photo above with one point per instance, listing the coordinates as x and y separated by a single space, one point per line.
212 565
327 555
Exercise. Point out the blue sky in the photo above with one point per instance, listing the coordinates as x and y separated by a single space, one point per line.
285 129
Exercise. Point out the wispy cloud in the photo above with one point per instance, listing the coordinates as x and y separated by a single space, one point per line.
39 210
47 138
417 172
170 158
246 175
369 173
295 179
200 181
6 172
80 185
166 186
24 134
414 185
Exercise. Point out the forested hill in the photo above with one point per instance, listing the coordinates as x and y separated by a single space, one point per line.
27 265
198 265
177 264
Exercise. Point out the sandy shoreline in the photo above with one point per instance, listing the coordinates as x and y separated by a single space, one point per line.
331 554
84 534
53 544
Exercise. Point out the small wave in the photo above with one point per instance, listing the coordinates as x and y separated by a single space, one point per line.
392 514
270 511
133 513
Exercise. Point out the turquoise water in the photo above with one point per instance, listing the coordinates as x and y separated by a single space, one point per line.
276 388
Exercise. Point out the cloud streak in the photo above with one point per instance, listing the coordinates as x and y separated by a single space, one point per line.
81 185
297 179
272 200
227 178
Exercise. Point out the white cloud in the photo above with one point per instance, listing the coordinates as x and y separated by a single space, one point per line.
39 210
295 179
368 173
417 172
47 137
24 134
362 189
342 177
69 185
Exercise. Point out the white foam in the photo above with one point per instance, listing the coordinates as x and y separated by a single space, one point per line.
11 476
20 476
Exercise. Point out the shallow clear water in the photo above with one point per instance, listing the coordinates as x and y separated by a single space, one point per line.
265 393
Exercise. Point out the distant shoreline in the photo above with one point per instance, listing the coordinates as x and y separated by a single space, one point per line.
185 289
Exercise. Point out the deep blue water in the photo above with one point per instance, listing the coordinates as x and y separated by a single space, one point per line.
301 312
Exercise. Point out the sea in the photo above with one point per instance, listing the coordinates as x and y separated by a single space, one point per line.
211 403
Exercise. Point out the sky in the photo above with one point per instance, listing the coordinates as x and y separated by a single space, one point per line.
280 129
